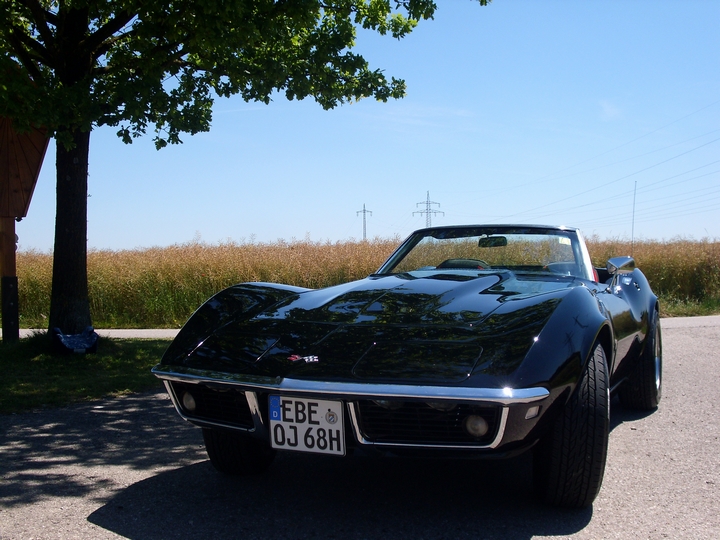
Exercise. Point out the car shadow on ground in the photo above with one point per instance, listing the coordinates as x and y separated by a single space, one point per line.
621 415
306 496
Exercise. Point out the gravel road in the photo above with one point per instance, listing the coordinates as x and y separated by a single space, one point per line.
130 468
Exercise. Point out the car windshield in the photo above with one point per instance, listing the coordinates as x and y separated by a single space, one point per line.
480 249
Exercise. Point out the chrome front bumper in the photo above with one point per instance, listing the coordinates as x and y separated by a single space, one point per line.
348 393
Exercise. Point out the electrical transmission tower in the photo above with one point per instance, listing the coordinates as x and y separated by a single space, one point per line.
428 210
364 213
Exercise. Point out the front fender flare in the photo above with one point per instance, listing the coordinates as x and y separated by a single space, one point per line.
562 349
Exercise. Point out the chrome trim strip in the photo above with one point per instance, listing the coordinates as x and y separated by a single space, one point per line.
173 397
503 396
501 428
252 400
362 440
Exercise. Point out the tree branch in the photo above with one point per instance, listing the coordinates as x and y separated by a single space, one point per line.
40 18
108 44
174 59
105 32
25 58
26 44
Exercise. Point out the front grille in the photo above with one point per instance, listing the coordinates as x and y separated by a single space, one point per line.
227 406
418 423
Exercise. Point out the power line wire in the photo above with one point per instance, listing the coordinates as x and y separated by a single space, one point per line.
605 184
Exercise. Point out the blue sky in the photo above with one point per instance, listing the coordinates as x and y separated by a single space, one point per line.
551 111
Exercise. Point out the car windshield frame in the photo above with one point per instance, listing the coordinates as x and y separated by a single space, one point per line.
532 249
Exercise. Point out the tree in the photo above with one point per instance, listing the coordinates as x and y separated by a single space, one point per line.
71 65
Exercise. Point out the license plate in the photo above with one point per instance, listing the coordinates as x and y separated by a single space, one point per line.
307 425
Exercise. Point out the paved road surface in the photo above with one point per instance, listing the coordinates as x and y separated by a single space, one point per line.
163 333
130 468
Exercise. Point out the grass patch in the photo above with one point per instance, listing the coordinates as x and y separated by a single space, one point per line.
674 307
161 287
34 377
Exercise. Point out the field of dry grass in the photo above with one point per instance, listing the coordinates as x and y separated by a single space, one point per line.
684 274
161 287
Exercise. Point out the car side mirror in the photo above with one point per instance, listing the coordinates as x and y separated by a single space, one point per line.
620 265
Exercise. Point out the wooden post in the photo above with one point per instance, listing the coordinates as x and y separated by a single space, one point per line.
9 288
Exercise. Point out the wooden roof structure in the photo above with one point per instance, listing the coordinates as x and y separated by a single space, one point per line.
21 157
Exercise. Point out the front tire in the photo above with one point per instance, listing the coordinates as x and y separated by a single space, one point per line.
643 389
569 462
236 454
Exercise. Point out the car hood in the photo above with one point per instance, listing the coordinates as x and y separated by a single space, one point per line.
441 328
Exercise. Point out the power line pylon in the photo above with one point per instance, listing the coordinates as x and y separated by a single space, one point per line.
428 210
364 213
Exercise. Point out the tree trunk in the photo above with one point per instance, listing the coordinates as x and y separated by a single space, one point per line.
69 302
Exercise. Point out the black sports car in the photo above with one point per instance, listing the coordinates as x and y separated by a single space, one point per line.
470 341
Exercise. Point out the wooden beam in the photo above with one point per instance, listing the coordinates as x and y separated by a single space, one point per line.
7 247
9 282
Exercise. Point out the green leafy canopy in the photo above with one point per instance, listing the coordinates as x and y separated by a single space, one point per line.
70 65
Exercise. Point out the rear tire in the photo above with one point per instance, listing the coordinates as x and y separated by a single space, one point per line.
569 462
236 454
643 389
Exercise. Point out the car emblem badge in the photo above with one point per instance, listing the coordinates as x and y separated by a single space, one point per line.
306 359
